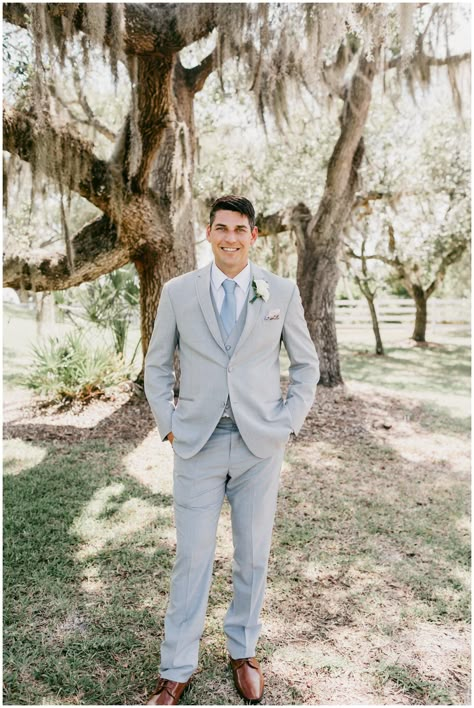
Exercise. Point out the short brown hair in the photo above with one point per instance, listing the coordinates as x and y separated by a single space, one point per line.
231 202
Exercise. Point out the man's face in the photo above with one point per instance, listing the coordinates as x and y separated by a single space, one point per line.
231 237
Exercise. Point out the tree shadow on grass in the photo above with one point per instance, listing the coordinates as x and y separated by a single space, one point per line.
366 547
428 416
87 558
436 418
442 370
369 551
88 555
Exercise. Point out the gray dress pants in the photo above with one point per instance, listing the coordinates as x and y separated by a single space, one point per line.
224 466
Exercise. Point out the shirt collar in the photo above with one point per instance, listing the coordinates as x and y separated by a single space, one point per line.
242 279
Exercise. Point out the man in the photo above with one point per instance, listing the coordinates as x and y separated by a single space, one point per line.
228 431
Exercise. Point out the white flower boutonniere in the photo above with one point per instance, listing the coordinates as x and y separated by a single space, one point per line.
261 289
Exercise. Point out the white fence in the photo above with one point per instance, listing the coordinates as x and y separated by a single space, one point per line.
390 311
401 311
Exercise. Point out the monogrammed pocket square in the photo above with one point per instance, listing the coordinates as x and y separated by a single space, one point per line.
273 315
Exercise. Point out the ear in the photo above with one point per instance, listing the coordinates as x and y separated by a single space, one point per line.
208 232
254 235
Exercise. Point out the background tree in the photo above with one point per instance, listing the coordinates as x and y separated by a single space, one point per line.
143 186
419 222
317 220
368 285
319 236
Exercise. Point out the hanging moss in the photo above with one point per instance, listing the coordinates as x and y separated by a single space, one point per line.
95 21
53 29
135 153
281 45
117 29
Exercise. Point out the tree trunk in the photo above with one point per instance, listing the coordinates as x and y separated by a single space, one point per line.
45 313
375 325
318 273
149 210
23 295
153 272
421 317
171 179
319 238
369 295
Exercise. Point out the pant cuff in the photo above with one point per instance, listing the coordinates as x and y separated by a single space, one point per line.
176 675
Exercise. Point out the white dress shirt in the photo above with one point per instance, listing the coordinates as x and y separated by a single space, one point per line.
242 280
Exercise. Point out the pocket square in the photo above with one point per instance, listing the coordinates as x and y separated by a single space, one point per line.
272 315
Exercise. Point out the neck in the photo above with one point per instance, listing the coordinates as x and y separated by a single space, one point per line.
232 272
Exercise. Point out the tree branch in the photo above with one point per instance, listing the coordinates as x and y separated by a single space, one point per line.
350 251
150 28
453 256
96 251
196 77
375 256
453 60
271 224
349 149
155 27
54 150
90 120
421 37
333 74
16 13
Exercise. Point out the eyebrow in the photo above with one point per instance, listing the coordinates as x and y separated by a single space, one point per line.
239 226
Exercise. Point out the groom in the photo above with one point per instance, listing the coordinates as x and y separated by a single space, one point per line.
228 430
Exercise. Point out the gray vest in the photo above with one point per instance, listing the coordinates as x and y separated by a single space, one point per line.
231 341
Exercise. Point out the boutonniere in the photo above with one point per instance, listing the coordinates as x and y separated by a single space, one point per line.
261 289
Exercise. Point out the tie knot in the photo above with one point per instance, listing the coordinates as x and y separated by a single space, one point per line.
229 285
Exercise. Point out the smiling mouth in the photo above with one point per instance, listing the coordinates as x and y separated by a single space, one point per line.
229 250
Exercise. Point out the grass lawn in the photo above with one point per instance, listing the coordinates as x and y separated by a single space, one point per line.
369 579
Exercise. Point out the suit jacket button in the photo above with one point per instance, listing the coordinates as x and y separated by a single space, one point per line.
227 346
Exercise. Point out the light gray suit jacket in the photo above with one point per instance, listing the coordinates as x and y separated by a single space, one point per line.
186 319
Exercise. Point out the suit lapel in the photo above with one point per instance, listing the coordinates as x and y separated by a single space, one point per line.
253 309
203 290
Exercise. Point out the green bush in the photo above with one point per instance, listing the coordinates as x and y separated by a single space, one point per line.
71 369
111 302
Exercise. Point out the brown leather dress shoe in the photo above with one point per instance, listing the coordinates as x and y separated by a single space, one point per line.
167 693
248 678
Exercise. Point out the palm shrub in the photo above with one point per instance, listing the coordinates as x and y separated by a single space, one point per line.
70 369
110 302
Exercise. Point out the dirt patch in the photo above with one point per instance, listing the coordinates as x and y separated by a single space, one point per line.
123 416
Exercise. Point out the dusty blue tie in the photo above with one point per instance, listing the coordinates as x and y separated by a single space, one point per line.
228 310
